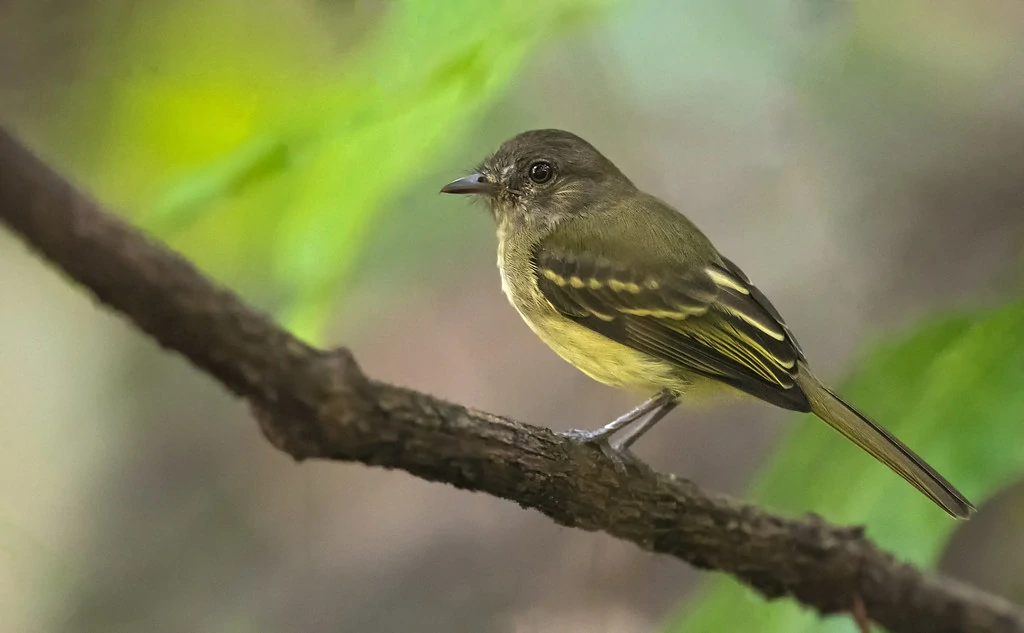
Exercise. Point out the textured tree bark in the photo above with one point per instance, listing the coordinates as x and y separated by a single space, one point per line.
318 404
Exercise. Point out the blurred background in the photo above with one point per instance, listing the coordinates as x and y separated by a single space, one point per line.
863 161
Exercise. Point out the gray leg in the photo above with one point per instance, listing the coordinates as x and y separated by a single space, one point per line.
652 406
634 433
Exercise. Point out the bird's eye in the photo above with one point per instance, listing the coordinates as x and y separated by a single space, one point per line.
541 172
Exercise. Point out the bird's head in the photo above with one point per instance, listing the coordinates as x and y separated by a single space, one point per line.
543 176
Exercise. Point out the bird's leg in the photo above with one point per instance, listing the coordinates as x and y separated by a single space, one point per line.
644 425
601 435
649 412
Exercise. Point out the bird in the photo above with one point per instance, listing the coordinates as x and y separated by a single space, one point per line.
632 293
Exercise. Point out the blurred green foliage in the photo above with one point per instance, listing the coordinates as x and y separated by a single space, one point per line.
952 391
282 153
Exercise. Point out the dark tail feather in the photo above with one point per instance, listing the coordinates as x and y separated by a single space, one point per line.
883 446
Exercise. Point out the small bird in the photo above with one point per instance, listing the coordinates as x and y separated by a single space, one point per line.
632 293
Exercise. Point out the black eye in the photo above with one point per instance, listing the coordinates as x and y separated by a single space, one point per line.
541 172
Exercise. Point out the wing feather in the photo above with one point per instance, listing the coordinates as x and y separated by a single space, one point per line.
710 320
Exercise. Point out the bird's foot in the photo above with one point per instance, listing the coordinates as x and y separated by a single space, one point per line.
620 457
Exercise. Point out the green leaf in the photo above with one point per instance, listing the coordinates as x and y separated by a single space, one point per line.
182 203
351 144
265 145
953 392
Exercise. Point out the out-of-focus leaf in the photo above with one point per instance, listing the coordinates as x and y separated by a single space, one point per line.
431 71
952 391
180 204
275 163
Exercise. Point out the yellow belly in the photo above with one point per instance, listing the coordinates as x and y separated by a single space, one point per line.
603 359
616 365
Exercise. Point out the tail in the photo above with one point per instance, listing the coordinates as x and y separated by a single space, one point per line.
883 446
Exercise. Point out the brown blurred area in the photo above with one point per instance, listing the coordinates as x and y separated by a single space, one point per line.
137 495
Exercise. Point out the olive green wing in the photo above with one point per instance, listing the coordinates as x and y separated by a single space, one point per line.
704 318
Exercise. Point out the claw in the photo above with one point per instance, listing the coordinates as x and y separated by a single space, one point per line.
621 458
584 437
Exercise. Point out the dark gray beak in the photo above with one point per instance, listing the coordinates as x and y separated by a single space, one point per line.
474 183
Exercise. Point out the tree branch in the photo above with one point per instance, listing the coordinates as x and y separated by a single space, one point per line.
317 404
